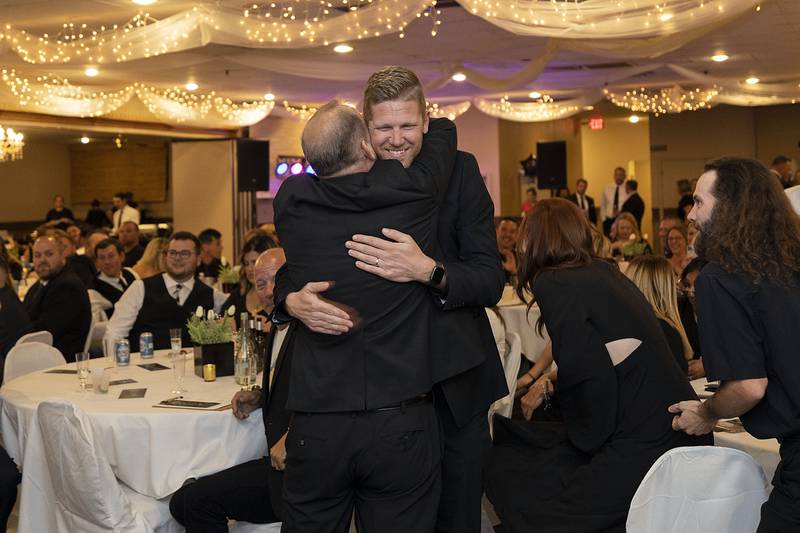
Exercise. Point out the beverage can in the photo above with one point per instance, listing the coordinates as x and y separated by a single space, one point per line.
122 352
146 345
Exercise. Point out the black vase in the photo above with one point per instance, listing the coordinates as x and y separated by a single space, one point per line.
228 288
220 354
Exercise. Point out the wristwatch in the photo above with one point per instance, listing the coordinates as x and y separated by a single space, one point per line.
437 275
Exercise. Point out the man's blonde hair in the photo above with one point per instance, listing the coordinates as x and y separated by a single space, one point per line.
392 83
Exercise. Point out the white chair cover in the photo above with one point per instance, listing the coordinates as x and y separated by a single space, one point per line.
29 357
697 489
89 336
37 336
247 527
88 496
511 363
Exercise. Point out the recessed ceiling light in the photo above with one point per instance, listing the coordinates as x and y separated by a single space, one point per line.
144 2
191 86
85 140
342 48
633 119
752 80
719 58
459 76
665 17
91 72
535 95
269 97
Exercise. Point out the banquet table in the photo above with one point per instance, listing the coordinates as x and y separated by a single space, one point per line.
764 451
520 320
152 450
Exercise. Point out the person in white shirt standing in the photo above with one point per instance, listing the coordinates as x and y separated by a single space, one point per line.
613 198
124 212
160 303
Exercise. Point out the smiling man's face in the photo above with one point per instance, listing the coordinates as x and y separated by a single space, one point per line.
396 129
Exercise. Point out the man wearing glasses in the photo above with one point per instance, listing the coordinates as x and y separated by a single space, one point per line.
162 302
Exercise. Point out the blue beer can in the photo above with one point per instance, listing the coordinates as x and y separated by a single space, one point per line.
122 352
146 345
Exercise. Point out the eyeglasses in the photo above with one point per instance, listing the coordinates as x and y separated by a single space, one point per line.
174 254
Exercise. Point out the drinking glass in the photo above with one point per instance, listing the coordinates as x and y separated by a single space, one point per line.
82 365
178 371
100 380
108 353
175 340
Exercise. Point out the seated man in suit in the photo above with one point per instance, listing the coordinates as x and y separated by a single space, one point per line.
583 200
250 491
80 265
352 392
58 302
113 279
160 303
129 238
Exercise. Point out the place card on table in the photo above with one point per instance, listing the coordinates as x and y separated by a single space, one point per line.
122 381
61 371
153 366
132 393
181 403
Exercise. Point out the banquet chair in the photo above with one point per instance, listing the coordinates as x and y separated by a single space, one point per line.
89 498
511 363
696 489
37 336
30 357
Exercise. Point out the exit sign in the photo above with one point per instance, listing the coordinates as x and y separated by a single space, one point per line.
596 123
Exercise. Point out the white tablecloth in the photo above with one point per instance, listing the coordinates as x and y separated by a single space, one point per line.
152 450
764 451
522 322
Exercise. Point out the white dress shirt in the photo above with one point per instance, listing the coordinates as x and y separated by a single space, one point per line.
127 308
127 213
608 199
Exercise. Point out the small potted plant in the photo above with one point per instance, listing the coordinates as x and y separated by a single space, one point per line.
212 336
228 278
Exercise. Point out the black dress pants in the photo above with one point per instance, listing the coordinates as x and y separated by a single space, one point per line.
9 479
384 464
781 512
465 450
238 493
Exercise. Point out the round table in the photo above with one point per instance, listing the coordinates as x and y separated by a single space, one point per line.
522 321
152 450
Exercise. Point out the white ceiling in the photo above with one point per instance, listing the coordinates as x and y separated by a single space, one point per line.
765 44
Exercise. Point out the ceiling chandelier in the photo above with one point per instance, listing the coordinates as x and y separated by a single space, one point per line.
11 144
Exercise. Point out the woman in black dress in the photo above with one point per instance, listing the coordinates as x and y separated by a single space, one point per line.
616 378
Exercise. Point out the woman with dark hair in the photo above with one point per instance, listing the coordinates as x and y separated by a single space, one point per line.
686 309
616 378
678 248
245 298
14 321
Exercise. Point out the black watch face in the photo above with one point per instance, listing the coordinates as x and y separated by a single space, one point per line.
437 275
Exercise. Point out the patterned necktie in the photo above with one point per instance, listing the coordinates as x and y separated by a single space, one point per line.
616 198
177 293
581 199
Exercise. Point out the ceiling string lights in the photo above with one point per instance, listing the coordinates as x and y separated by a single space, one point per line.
542 110
674 99
11 145
301 112
451 111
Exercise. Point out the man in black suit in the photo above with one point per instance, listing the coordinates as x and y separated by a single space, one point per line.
474 279
249 491
58 302
113 279
634 203
584 201
80 265
364 430
129 238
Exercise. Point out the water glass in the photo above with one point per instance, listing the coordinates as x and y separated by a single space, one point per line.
178 371
82 365
100 380
175 340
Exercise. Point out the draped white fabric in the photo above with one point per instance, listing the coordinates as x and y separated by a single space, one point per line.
536 111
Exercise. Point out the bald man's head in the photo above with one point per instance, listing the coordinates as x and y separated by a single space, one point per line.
336 138
267 266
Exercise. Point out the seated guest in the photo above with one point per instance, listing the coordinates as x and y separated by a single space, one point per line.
13 266
58 302
96 217
154 259
677 250
160 303
210 253
245 298
250 491
634 203
14 321
80 265
507 230
113 279
75 233
95 237
686 309
625 238
653 275
615 380
129 239
667 223
59 216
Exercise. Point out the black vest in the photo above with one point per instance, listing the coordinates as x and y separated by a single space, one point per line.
160 312
110 292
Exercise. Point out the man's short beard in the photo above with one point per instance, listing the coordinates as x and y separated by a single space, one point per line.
705 236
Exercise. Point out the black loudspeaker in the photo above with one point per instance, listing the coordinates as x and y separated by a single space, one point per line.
551 163
252 165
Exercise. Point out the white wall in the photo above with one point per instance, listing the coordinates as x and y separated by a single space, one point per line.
30 183
478 134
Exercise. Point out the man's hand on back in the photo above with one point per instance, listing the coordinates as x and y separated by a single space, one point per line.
245 402
318 314
399 259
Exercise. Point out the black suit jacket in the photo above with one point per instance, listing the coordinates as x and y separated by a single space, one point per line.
62 308
273 407
635 206
14 322
387 357
590 201
83 267
475 278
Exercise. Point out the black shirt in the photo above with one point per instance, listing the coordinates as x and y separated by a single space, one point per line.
133 255
210 270
675 344
14 321
55 215
97 218
750 332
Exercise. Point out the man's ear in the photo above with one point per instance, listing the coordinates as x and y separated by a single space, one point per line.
425 120
367 150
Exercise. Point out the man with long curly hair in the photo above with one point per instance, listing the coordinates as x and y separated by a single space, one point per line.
748 312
